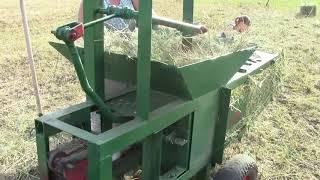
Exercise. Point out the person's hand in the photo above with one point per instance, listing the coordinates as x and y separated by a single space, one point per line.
203 29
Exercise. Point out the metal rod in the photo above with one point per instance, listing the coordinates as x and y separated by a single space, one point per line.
30 56
106 112
181 26
185 27
188 8
86 25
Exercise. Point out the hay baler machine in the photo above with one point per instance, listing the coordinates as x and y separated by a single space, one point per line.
167 122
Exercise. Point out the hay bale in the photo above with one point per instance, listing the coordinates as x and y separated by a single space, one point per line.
308 10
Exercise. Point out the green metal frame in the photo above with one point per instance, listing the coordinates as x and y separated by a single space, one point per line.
165 98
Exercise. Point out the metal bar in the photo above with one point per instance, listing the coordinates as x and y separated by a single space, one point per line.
150 168
188 11
136 130
144 59
143 87
106 112
42 151
100 167
78 115
152 149
62 114
89 24
30 57
94 51
187 17
80 133
187 28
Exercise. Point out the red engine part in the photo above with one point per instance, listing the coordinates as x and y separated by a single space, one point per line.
78 172
69 162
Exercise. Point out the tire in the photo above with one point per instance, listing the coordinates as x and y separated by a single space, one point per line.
240 167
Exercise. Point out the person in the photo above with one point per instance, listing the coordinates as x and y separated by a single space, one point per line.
116 23
242 23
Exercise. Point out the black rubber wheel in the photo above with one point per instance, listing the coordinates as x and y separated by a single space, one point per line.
240 167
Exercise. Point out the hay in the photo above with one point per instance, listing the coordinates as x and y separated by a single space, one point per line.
167 46
252 98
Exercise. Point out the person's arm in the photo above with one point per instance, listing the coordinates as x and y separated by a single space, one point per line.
135 4
80 13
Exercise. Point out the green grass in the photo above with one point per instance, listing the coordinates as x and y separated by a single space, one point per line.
284 139
277 4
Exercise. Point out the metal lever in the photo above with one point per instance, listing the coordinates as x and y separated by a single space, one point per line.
127 13
181 26
69 33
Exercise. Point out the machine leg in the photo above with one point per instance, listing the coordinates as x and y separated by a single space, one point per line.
42 150
100 167
152 157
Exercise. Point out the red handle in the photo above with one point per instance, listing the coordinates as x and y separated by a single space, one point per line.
76 32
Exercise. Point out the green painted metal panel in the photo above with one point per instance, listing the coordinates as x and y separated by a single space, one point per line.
203 174
203 129
189 81
255 64
221 125
206 76
165 78
125 105
116 62
64 51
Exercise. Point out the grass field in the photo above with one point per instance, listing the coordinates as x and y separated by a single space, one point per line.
284 139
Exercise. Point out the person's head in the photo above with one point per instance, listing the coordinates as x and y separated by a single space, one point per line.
242 23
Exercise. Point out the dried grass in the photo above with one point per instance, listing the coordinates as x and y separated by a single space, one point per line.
167 46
